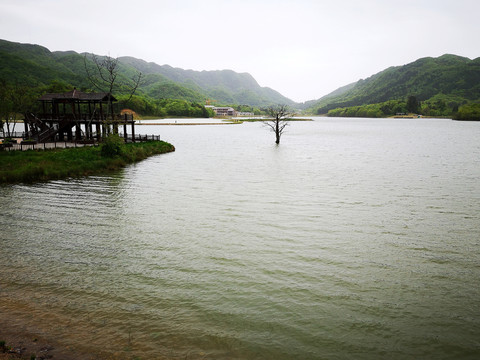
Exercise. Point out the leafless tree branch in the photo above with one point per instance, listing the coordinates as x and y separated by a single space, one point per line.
279 119
105 74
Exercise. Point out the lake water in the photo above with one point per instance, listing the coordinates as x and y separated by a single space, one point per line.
355 238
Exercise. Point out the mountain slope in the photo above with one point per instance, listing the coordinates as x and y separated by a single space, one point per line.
225 86
425 78
35 65
32 65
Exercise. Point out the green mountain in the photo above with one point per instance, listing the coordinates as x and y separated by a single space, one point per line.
224 86
36 66
434 86
446 81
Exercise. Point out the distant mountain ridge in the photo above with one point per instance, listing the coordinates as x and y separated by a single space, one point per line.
206 79
447 81
35 65
226 86
448 76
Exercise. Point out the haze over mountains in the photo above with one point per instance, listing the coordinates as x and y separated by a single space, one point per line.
450 78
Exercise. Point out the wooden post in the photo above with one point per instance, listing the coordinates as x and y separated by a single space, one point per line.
133 131
99 135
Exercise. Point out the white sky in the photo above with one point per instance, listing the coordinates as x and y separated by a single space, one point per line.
302 48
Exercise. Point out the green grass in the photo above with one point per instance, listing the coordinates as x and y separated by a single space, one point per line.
33 166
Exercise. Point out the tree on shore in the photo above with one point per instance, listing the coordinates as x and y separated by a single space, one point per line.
14 99
279 119
103 76
412 104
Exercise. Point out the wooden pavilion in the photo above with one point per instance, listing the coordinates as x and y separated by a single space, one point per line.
78 116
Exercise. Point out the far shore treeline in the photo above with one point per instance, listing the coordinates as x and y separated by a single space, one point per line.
439 106
16 99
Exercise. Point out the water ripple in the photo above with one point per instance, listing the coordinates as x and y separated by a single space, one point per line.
354 238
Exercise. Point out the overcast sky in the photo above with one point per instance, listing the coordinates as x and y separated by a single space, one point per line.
302 48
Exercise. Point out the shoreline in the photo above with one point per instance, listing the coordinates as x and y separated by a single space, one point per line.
21 342
27 336
55 164
24 345
222 123
33 331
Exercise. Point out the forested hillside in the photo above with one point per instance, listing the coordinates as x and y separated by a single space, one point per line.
222 86
439 85
40 70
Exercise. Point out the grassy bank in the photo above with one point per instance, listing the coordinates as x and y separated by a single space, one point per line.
31 166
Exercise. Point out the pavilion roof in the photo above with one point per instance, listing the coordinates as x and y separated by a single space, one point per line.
77 95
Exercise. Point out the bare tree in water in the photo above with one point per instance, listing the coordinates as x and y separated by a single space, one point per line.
279 118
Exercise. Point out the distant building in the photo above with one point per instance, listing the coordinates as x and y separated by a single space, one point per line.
228 111
224 111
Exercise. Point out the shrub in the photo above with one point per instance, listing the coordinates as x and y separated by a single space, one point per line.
112 146
468 112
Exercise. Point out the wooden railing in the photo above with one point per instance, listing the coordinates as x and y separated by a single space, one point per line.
85 117
13 134
34 145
